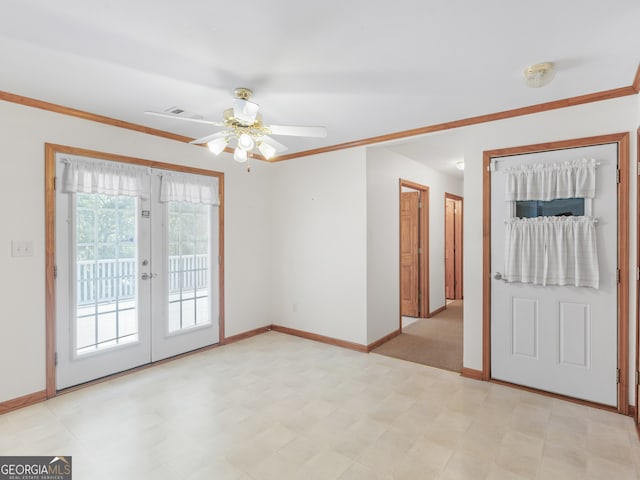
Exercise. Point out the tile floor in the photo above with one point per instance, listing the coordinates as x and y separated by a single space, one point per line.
280 407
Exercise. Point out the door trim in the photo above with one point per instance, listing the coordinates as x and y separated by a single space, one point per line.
622 141
637 364
50 249
423 260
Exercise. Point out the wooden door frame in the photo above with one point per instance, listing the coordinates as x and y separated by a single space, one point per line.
637 364
459 244
51 150
423 243
622 141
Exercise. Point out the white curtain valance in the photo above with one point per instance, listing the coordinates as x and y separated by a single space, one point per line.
552 251
184 187
547 181
83 175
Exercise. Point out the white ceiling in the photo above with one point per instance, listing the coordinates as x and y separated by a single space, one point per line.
360 68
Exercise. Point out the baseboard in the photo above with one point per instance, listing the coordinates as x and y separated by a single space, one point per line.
382 340
632 411
245 335
437 311
471 373
23 401
320 338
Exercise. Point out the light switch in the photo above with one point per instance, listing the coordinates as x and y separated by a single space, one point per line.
22 248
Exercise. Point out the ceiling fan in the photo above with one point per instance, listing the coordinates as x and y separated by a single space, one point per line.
243 128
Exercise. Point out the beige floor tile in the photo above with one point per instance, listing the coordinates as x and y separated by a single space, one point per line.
428 456
279 407
481 442
496 472
598 468
453 420
567 452
465 467
552 468
518 462
359 472
327 465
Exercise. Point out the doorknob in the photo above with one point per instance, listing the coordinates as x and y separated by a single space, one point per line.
497 276
147 276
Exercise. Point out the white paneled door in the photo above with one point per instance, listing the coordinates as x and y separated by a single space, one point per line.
561 339
137 278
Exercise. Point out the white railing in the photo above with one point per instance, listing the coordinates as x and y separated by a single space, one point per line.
110 279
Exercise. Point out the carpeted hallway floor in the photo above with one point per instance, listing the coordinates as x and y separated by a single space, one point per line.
435 341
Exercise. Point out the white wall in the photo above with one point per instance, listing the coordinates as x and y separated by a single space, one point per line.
319 245
384 169
307 234
612 116
23 133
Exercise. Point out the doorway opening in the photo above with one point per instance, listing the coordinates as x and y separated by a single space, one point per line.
432 338
552 349
134 267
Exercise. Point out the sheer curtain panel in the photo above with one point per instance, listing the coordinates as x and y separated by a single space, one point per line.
184 187
552 251
83 175
548 181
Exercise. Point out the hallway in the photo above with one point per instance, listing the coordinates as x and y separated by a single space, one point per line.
435 341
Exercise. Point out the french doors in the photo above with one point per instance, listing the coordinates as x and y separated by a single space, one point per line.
561 339
137 274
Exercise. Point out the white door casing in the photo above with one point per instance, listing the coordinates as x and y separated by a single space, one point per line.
556 338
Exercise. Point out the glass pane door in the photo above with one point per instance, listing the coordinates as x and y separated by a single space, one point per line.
189 239
106 272
102 305
137 280
185 281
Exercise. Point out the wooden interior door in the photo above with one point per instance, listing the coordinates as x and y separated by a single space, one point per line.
457 212
449 248
409 243
453 246
637 370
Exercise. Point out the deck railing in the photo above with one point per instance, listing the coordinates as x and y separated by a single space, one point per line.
110 279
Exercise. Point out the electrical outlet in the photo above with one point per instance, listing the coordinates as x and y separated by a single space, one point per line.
22 248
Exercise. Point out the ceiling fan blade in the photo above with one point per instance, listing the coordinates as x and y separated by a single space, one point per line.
297 130
188 119
208 138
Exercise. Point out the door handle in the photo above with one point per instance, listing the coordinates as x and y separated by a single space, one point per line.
147 276
497 276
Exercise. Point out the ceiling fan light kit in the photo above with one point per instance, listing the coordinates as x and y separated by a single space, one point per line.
539 75
240 155
243 124
267 151
218 145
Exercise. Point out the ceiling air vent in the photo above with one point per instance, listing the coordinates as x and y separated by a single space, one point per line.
181 112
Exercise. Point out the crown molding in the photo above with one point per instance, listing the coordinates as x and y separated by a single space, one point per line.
632 89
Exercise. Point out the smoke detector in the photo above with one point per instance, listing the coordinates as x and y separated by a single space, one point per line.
539 75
